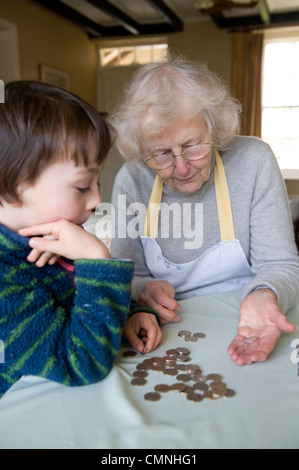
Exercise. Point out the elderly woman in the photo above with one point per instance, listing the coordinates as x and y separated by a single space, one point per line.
177 129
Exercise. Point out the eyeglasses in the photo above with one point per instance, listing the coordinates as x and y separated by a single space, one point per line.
164 160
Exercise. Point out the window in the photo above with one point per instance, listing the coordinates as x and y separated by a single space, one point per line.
131 55
280 101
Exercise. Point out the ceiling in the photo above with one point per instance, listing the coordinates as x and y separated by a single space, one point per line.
103 18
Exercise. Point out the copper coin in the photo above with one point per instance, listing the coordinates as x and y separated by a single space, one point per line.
138 381
140 373
171 352
192 369
201 386
230 393
214 377
152 396
142 366
129 353
171 372
194 397
178 387
182 357
169 359
162 388
156 360
184 377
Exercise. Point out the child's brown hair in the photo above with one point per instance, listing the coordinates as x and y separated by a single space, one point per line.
37 122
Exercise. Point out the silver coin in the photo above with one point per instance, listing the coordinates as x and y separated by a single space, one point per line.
192 369
140 373
191 339
180 366
184 333
129 353
183 377
183 351
194 397
138 381
162 388
178 387
199 335
152 396
250 340
144 349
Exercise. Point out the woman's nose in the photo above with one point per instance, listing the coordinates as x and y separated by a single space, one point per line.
181 164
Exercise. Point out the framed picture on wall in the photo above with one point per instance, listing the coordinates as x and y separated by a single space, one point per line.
54 76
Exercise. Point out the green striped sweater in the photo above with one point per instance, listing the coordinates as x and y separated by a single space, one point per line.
64 326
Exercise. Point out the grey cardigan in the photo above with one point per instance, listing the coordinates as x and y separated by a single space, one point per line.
260 211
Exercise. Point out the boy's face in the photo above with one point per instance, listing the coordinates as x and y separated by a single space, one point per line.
62 191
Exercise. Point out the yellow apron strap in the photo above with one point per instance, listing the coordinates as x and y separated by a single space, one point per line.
223 204
225 215
152 213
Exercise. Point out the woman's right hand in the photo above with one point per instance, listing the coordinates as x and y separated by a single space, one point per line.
159 295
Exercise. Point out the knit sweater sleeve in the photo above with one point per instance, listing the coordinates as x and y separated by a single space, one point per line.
54 329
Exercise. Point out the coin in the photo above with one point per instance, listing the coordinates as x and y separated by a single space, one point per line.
142 366
156 360
230 393
184 333
182 358
214 377
144 349
183 351
162 388
184 377
140 373
191 339
251 339
192 368
178 387
199 335
138 381
201 386
152 396
171 352
194 397
169 359
129 353
172 372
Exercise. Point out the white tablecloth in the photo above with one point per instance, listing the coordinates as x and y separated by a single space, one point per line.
113 414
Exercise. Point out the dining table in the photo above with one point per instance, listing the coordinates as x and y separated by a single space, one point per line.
185 395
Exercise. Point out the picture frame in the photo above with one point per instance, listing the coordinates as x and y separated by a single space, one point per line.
54 76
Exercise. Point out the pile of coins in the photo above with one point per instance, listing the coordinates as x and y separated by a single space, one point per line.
190 379
191 338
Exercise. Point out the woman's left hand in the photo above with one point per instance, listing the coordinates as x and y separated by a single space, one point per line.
260 325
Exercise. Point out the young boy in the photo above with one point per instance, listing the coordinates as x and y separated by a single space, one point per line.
64 302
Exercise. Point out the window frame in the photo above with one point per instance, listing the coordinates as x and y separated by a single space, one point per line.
280 35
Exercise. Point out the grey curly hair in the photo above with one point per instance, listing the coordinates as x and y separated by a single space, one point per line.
162 92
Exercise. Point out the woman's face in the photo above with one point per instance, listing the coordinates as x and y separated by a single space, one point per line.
184 175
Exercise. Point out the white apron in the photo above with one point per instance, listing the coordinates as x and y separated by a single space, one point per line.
222 268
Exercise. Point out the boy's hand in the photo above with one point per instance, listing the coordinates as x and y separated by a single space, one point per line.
62 238
143 324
